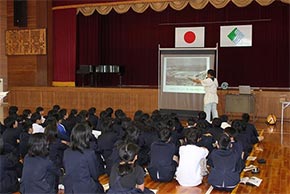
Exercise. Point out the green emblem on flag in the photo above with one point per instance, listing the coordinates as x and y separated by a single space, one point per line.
236 35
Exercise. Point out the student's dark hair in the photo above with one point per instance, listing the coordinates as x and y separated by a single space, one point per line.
73 112
191 121
26 113
127 153
51 132
201 115
224 142
10 121
80 137
119 116
12 110
37 145
132 134
56 107
27 125
92 111
211 72
39 109
164 134
191 135
216 122
106 125
224 118
137 115
232 132
83 114
62 113
239 125
35 116
109 111
246 117
1 145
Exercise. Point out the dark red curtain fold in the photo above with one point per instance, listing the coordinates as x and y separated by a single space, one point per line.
131 40
64 45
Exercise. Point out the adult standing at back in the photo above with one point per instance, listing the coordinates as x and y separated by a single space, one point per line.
210 85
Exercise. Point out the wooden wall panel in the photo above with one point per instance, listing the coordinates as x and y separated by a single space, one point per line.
31 70
129 99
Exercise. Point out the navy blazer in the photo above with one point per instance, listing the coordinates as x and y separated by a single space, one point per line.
8 176
225 168
56 150
81 172
38 175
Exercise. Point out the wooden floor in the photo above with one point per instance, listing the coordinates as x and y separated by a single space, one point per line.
275 172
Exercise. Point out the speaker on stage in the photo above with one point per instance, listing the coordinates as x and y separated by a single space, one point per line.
20 13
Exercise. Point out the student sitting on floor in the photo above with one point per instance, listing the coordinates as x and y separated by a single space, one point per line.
225 165
39 172
80 163
8 176
163 158
192 160
127 177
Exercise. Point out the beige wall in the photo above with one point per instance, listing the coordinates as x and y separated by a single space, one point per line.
3 58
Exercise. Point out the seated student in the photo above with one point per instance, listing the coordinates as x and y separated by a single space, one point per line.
24 138
131 136
8 176
163 158
12 133
36 126
40 110
63 133
216 131
243 137
107 138
55 145
93 118
191 157
147 137
80 163
251 129
225 165
202 119
225 121
127 176
39 172
237 145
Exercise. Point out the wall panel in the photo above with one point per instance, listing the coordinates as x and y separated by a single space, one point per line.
130 99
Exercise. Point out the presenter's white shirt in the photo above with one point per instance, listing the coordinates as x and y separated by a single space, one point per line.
210 88
36 128
188 172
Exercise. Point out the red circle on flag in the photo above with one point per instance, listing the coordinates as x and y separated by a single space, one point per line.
189 37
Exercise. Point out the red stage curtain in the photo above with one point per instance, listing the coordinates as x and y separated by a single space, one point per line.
64 47
132 39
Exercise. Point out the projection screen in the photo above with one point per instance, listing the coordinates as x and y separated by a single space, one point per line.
176 67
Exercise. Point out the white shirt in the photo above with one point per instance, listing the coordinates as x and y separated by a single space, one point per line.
36 128
210 88
188 172
225 125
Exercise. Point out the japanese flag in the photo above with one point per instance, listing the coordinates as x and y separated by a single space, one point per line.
189 37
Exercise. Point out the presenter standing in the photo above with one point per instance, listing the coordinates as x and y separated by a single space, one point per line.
210 85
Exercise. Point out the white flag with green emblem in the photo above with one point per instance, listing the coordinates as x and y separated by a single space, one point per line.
236 36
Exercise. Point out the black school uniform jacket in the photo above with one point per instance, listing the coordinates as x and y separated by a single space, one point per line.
38 175
225 168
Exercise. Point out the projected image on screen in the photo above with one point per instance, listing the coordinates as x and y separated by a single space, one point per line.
177 72
177 66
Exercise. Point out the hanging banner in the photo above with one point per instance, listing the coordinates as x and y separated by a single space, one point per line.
189 37
236 36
